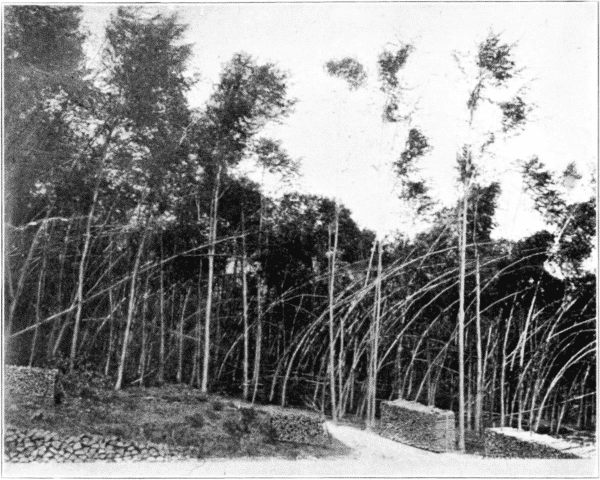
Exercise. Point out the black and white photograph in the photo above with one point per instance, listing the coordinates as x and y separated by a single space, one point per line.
303 239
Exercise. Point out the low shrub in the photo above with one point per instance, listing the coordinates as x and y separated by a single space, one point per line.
233 427
202 397
87 393
248 414
116 430
212 415
182 435
266 428
196 420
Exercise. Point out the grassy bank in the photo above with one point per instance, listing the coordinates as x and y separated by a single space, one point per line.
211 425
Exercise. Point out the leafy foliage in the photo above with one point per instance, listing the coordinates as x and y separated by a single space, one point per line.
45 37
42 84
349 70
482 208
247 96
575 223
542 185
147 64
414 190
495 58
514 114
273 157
390 64
417 146
466 167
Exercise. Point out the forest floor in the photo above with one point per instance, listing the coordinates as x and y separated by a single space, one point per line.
183 417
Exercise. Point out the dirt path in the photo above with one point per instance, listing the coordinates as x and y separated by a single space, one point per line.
372 456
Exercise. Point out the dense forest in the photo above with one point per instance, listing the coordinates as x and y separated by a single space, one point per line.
134 248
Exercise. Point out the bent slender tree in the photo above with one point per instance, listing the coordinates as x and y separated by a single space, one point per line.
494 68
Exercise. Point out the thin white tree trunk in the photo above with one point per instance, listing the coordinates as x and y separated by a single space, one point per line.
81 280
461 319
111 302
372 381
257 341
142 366
198 350
38 314
51 352
181 339
479 384
399 369
163 329
523 342
503 372
130 310
23 275
259 312
246 364
332 379
195 376
209 293
86 246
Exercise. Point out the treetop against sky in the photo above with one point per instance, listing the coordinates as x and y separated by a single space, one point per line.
347 151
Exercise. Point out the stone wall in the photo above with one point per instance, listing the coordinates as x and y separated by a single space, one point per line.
512 443
30 382
418 425
41 446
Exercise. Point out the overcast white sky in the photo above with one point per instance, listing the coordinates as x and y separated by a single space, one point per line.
345 149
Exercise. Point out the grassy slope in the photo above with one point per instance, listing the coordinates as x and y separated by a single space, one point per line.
176 415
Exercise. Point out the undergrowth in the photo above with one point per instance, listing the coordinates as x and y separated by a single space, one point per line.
173 414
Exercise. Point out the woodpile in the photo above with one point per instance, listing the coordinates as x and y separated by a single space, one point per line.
43 446
30 382
418 425
296 426
512 443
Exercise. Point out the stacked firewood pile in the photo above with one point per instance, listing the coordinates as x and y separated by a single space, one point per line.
583 438
42 446
297 426
512 443
418 425
30 382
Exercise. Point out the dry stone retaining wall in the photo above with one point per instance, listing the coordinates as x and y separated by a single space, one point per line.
30 382
418 425
510 443
42 446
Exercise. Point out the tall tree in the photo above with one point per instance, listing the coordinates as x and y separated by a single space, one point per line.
494 68
354 74
247 97
43 54
146 61
480 218
271 158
